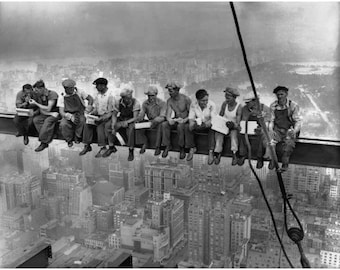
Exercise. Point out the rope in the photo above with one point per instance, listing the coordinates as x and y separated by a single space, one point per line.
295 234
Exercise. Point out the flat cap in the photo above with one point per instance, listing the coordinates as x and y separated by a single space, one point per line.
151 90
69 83
173 85
249 96
278 88
126 89
232 91
100 81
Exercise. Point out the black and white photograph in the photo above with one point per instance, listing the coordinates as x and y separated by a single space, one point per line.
169 134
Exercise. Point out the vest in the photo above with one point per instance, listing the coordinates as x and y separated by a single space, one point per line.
282 119
126 112
73 104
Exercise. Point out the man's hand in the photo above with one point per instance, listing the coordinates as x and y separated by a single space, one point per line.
32 101
171 122
180 120
88 109
208 124
291 133
230 124
124 124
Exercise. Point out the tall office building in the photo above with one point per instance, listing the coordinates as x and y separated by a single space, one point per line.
80 199
105 193
120 176
104 219
240 229
163 177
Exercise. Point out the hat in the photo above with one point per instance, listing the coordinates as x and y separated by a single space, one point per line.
69 83
278 88
152 90
232 91
173 85
249 96
126 89
100 81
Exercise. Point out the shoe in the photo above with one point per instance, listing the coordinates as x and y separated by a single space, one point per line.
218 158
101 152
41 147
157 151
142 150
191 153
87 148
70 144
108 152
271 165
211 157
77 140
26 140
182 153
259 164
284 167
241 160
165 152
234 160
131 156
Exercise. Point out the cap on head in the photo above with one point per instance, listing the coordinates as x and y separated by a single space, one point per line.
173 85
278 88
126 89
100 81
232 91
152 90
69 83
249 97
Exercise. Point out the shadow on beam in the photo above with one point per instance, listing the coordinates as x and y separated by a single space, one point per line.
312 152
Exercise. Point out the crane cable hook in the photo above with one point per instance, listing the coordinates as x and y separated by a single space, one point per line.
294 233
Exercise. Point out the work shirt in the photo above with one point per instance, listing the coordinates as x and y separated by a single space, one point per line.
126 110
103 103
80 93
180 106
205 114
49 95
153 110
293 112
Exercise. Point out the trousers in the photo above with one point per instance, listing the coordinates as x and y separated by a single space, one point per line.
22 123
219 140
69 129
142 138
185 136
103 135
45 125
128 133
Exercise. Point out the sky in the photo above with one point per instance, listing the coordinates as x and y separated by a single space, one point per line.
31 30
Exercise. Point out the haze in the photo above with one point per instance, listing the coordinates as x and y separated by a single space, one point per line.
31 30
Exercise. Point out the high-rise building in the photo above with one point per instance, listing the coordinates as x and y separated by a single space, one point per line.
80 199
105 193
165 177
240 229
104 220
121 177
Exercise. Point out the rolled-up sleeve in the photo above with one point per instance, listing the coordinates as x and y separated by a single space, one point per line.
296 116
192 113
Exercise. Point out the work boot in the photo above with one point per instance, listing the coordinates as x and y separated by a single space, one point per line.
108 152
87 148
259 163
70 144
285 161
284 167
234 160
100 152
218 158
143 149
191 153
41 147
241 160
271 165
182 153
157 151
166 152
26 140
131 156
211 157
77 140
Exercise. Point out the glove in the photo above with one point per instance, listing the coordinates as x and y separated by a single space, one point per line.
230 125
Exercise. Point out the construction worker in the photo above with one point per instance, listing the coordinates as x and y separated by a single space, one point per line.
285 124
71 108
48 115
23 123
155 110
128 109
